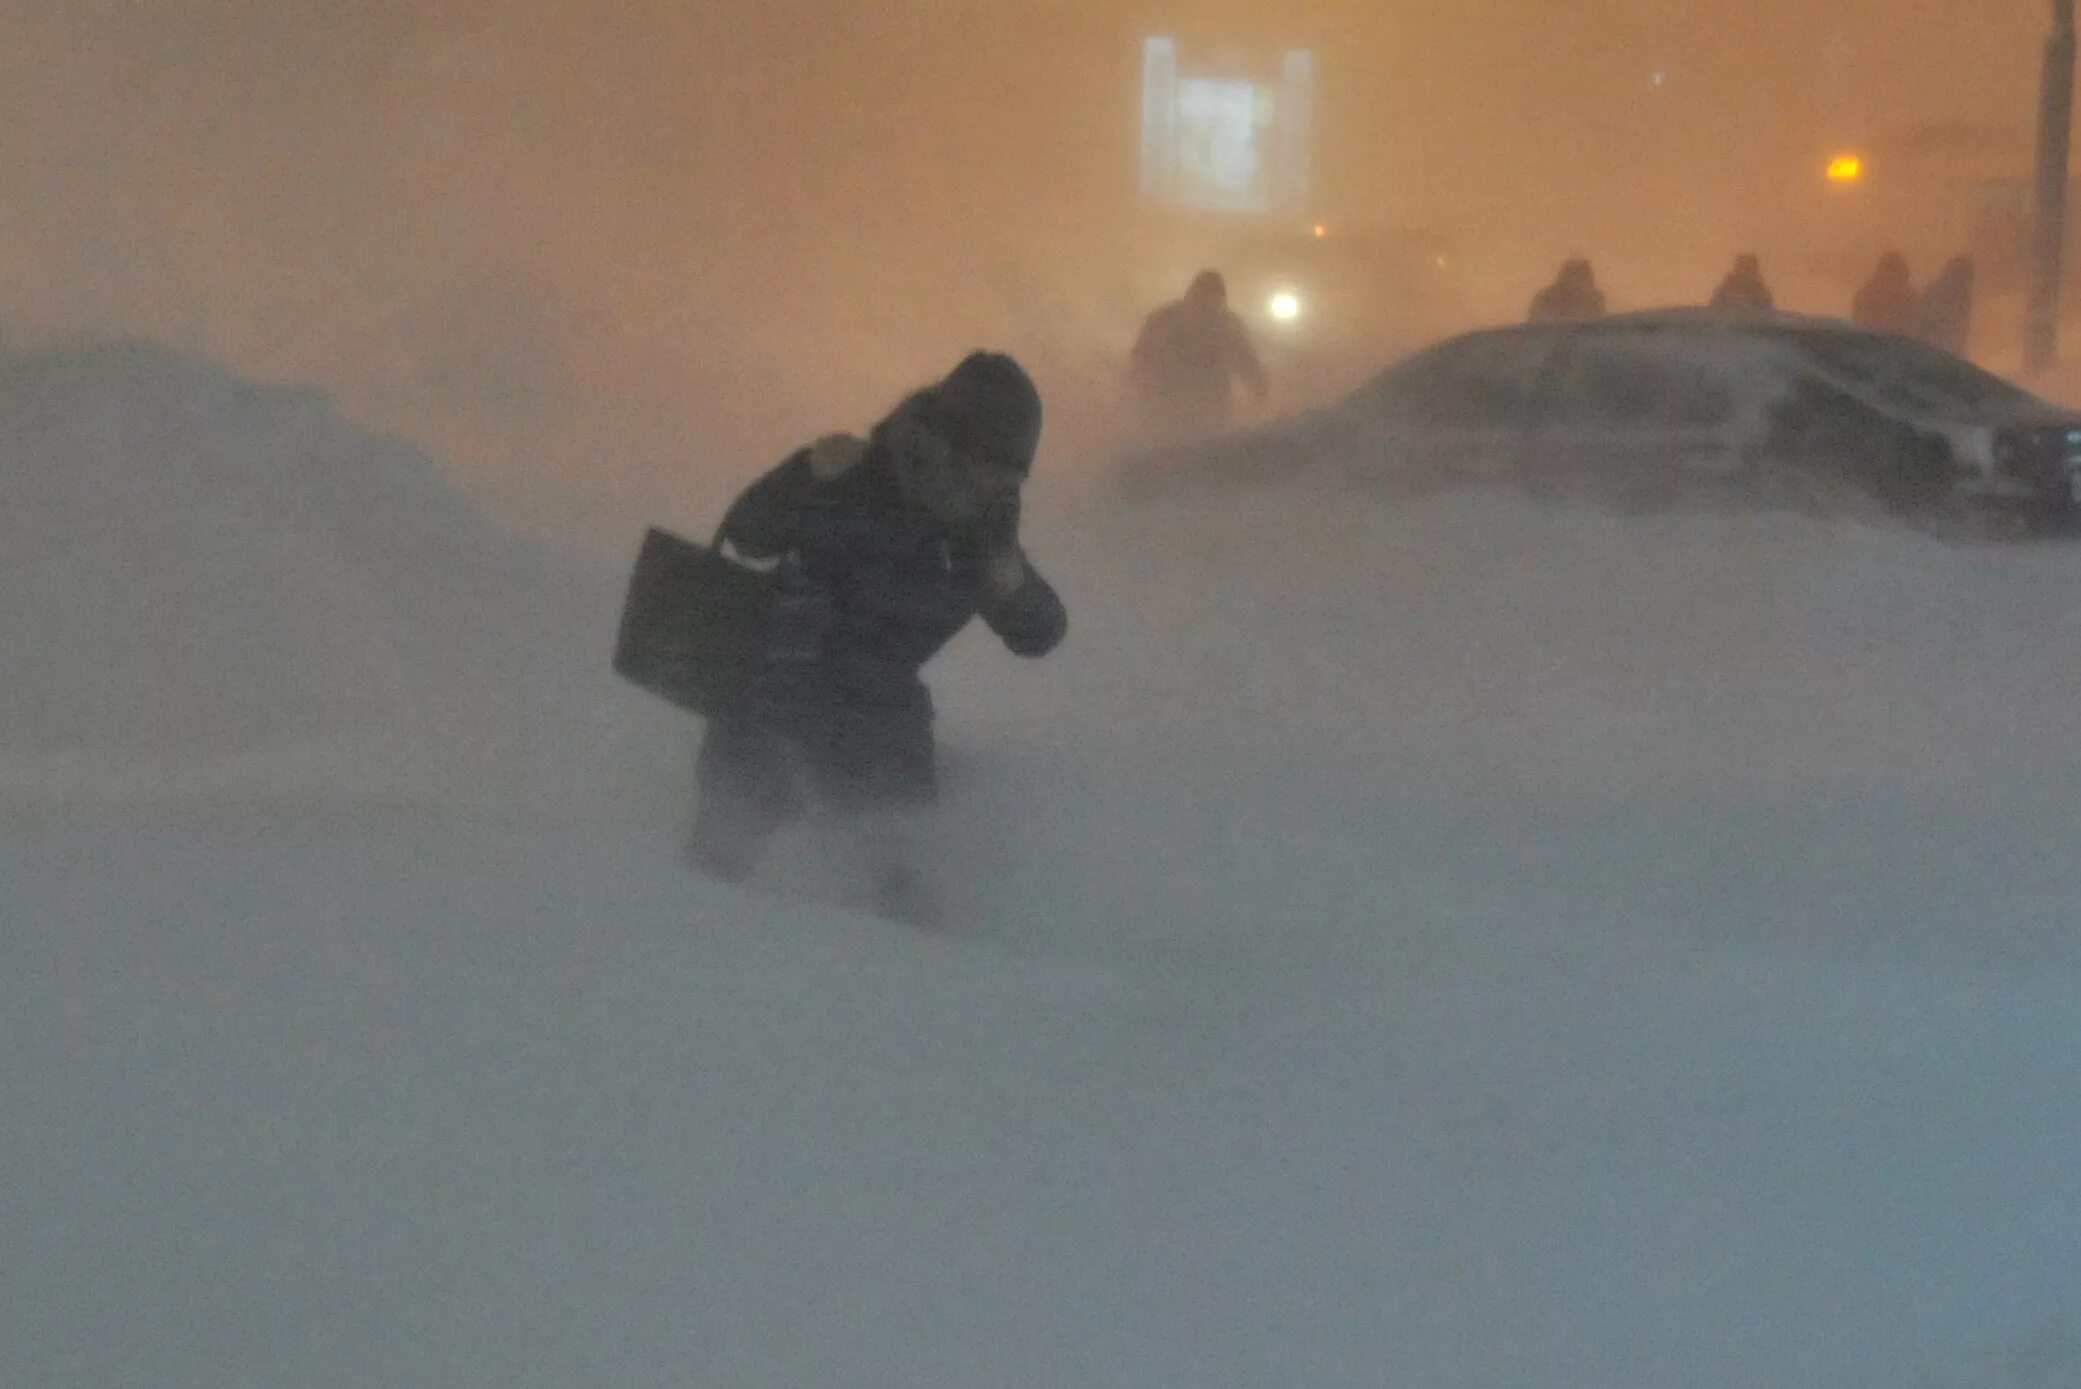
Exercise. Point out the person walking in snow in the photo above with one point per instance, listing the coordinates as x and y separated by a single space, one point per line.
1885 303
1743 291
885 547
1944 317
1188 355
1572 296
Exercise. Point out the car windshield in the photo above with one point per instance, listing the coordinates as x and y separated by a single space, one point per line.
1910 375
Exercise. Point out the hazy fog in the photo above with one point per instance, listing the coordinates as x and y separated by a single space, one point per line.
595 255
1468 941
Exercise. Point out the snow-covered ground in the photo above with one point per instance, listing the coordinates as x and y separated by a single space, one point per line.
1473 944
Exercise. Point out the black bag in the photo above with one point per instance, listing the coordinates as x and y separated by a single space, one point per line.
694 627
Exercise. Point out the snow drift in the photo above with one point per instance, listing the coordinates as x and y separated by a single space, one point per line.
211 582
1464 943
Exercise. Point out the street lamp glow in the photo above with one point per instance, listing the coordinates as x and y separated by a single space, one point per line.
1846 168
1286 306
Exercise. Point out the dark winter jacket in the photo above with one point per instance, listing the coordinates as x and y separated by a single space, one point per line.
1944 317
1188 354
1886 302
1566 300
899 583
1743 291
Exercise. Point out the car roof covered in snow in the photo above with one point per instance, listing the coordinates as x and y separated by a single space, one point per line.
1900 374
1760 328
1724 320
1757 325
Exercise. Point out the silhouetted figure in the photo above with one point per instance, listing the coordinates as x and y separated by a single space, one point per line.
883 549
1743 291
1573 295
1189 354
1886 302
1944 317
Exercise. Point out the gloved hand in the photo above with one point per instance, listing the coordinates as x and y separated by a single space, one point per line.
1020 606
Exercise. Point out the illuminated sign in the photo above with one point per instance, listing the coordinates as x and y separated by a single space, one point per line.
1227 142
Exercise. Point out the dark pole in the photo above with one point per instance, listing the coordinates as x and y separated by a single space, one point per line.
2055 126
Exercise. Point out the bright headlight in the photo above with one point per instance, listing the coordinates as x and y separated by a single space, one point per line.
1285 306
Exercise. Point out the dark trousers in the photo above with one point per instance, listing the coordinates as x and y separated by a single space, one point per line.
755 777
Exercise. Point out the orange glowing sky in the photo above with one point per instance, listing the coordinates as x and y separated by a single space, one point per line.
564 232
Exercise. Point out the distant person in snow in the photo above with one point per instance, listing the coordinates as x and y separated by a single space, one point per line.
1189 354
1743 291
1944 317
1572 295
1885 303
885 547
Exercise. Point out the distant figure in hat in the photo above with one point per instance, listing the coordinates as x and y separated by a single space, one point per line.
1571 297
1743 291
1944 317
1189 355
1885 303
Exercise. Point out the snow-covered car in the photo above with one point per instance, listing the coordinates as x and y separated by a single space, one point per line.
1686 407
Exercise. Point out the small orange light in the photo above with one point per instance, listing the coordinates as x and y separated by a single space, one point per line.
1845 168
1321 230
